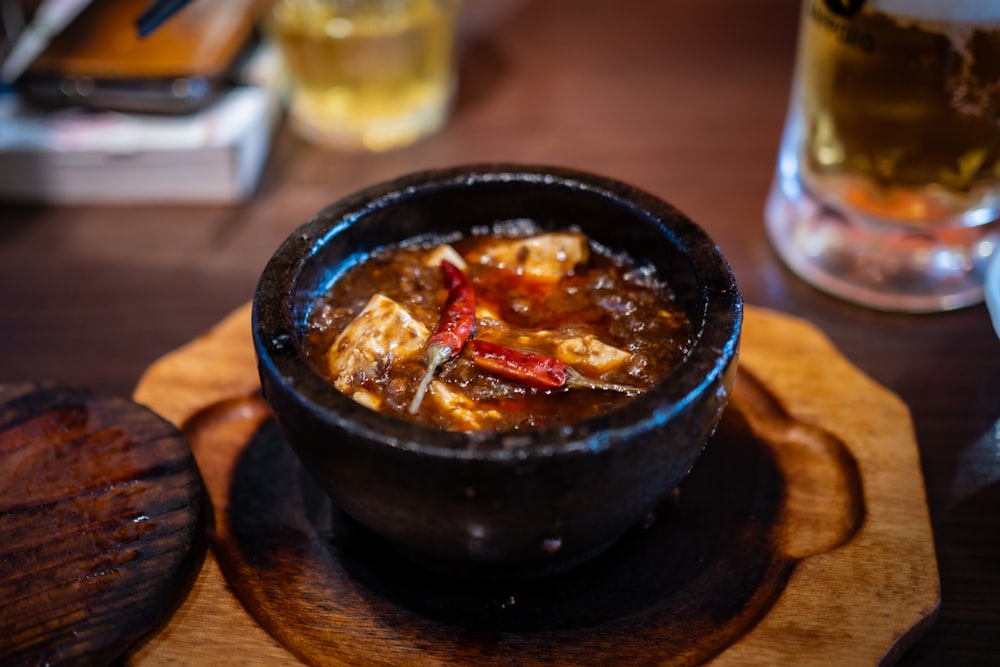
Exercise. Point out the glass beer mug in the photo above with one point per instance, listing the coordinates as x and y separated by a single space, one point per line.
887 188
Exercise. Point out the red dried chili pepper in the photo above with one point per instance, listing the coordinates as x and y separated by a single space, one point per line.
536 370
458 318
459 315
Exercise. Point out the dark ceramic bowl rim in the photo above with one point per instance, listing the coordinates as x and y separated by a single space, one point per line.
276 331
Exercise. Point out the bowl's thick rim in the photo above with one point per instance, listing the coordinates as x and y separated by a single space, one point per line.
275 332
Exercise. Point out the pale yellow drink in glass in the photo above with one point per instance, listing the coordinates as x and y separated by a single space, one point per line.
367 74
888 184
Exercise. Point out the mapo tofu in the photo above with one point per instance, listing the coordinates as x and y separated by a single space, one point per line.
496 332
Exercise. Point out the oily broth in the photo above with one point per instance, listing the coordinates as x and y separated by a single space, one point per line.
608 297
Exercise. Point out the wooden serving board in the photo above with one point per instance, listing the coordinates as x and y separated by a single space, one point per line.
802 536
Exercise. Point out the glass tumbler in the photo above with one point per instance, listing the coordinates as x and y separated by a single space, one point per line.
366 74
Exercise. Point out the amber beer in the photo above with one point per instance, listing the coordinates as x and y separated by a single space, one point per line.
900 107
887 187
367 74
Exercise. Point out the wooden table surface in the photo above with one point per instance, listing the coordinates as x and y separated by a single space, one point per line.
685 99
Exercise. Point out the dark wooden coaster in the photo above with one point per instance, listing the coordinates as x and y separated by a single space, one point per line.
101 524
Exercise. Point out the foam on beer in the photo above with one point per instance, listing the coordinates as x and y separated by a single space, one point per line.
955 11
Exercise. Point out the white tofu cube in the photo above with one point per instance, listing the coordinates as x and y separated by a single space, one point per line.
445 252
590 353
547 257
382 331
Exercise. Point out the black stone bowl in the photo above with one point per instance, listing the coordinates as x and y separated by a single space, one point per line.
506 505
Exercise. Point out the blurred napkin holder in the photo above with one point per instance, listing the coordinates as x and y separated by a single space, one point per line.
141 148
